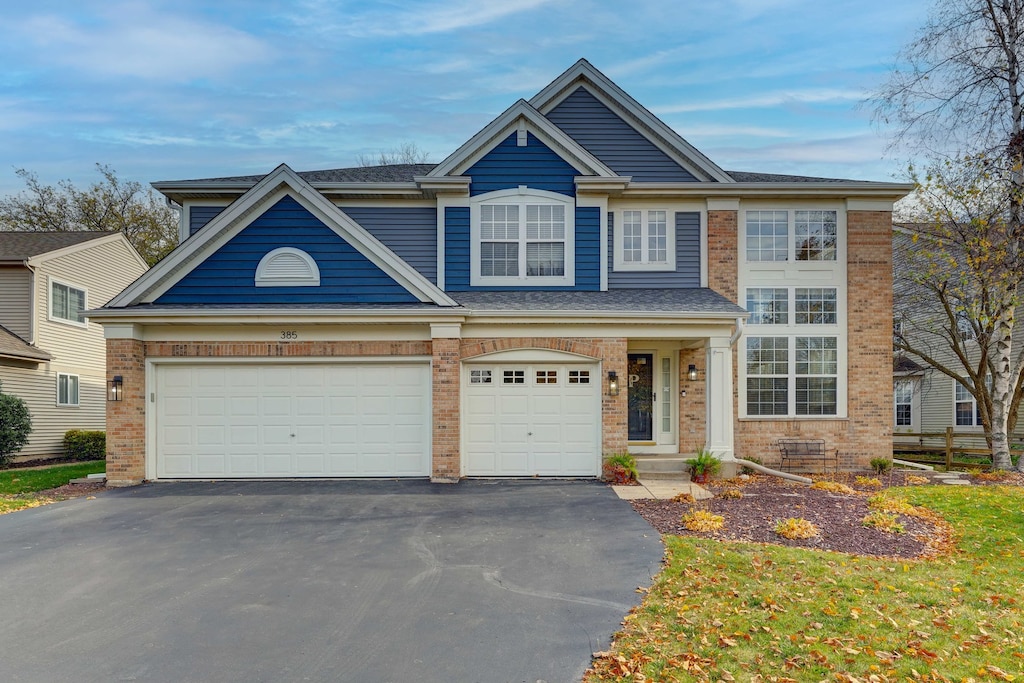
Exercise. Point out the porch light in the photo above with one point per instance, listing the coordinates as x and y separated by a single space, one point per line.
691 373
116 389
613 383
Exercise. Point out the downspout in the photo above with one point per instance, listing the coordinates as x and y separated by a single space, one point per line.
32 297
736 335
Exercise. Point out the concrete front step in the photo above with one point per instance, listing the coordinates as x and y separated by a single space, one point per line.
662 467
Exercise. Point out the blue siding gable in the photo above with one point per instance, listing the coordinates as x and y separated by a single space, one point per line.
227 277
535 165
604 134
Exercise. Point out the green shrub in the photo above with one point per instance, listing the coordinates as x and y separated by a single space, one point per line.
82 444
15 426
881 465
704 462
620 468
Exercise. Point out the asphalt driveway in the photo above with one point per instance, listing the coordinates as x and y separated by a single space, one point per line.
370 581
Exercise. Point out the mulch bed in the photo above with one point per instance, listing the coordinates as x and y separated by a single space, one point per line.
837 516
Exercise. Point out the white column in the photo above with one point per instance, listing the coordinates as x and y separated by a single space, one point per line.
718 390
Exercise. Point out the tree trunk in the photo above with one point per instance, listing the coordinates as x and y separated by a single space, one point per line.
1001 391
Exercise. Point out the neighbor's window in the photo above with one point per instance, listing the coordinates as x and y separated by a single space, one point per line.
965 407
67 389
67 303
903 398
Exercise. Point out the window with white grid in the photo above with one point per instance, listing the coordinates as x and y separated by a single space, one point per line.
815 235
521 236
767 235
644 240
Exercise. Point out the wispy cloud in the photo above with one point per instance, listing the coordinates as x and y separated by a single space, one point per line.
134 41
765 100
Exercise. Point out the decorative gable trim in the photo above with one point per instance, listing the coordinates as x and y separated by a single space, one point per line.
583 73
280 182
521 118
287 267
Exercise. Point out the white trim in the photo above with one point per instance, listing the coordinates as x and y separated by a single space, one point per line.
522 196
869 205
531 355
50 282
508 121
723 204
78 390
267 263
39 259
620 102
280 182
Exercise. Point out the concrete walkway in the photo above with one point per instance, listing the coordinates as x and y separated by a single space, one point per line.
662 489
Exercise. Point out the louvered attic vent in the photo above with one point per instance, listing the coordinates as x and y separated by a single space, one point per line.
287 267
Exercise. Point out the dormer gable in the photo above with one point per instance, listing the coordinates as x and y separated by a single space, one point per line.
584 87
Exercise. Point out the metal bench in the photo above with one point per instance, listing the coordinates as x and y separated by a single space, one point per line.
803 452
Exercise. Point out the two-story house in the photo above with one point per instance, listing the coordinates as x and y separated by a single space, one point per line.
573 281
51 355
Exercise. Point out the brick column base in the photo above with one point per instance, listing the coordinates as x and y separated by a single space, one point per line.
126 419
445 465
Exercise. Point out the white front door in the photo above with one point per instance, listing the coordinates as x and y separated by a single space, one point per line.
264 420
523 420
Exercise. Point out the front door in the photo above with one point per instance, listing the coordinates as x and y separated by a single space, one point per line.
641 396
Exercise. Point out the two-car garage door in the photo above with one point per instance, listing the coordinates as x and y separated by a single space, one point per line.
262 420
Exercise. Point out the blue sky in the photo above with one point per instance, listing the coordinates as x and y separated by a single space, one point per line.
191 89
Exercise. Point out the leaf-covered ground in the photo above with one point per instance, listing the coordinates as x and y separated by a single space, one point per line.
724 610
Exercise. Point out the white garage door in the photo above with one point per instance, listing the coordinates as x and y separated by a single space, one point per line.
526 420
292 420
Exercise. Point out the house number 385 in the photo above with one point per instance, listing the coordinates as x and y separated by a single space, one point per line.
289 334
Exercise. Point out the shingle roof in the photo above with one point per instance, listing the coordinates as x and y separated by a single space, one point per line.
405 173
904 364
19 246
697 301
13 346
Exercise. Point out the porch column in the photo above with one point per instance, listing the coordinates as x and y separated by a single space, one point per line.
446 439
126 419
719 392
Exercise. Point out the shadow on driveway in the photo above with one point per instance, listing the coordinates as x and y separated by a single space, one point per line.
366 581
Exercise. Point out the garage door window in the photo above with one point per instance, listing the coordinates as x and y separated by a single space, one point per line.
479 376
513 377
579 377
547 377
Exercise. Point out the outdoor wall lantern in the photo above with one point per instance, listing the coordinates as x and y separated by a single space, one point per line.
691 373
116 389
613 383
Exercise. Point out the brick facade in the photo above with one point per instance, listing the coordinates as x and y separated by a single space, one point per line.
866 432
126 420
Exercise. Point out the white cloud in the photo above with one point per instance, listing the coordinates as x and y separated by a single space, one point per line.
766 100
132 41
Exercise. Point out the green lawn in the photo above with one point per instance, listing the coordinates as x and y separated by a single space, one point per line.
741 611
17 486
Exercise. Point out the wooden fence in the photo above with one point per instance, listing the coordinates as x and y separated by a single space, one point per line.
939 448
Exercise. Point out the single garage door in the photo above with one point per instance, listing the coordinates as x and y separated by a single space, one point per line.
292 420
532 420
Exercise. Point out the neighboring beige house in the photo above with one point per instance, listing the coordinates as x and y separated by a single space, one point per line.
51 355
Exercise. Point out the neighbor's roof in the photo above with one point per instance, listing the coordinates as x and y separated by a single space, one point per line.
21 246
13 346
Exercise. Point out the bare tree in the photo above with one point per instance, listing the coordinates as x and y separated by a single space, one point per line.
958 275
405 153
109 204
956 97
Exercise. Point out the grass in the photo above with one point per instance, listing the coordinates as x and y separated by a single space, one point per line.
743 611
17 486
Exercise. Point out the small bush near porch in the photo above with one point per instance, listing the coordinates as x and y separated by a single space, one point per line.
724 611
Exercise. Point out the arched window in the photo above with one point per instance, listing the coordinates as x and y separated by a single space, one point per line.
287 267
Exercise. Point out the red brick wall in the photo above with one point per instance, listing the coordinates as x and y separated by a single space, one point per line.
867 431
126 419
692 407
446 431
